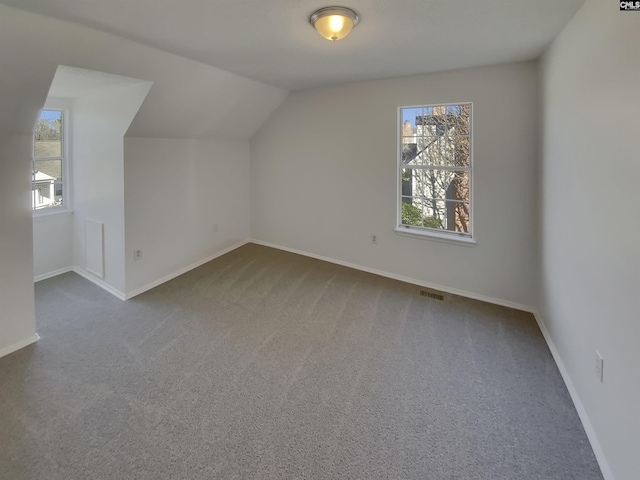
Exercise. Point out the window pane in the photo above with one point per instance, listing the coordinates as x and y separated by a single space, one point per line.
458 119
436 182
407 182
458 188
48 135
435 214
446 150
433 122
457 216
438 214
412 211
440 191
442 136
46 188
409 151
446 215
414 182
433 151
459 153
409 116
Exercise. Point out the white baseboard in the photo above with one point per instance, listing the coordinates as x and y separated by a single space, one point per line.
414 281
582 413
122 296
183 270
18 345
55 273
105 286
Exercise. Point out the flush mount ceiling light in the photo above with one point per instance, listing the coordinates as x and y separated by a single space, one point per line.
334 23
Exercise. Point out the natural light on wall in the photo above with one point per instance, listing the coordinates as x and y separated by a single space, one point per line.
334 23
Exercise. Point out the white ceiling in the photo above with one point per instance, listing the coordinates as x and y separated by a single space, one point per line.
272 41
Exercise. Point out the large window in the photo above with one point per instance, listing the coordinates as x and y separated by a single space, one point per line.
49 161
435 171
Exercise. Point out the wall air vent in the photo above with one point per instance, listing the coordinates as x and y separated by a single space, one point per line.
430 294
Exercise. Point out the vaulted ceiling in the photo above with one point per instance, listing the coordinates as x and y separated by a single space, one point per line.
271 41
188 99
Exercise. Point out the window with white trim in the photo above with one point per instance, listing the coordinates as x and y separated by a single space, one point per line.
49 161
435 171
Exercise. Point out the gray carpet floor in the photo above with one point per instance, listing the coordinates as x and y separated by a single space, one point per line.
264 364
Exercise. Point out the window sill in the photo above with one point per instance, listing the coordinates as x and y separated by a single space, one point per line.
47 212
437 236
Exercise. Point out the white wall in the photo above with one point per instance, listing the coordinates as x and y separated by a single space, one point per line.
17 317
323 178
99 121
589 222
52 244
175 191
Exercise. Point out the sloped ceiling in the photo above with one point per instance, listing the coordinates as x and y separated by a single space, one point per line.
188 99
272 41
72 82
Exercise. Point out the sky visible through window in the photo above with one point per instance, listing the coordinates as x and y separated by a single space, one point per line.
50 114
410 114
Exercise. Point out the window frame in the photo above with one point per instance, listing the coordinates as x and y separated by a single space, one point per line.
65 207
430 233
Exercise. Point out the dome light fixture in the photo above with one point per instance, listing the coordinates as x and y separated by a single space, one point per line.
334 23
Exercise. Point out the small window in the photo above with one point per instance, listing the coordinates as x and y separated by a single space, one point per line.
435 171
49 159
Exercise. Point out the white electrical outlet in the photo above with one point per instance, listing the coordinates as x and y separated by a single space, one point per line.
214 228
137 254
599 367
374 239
